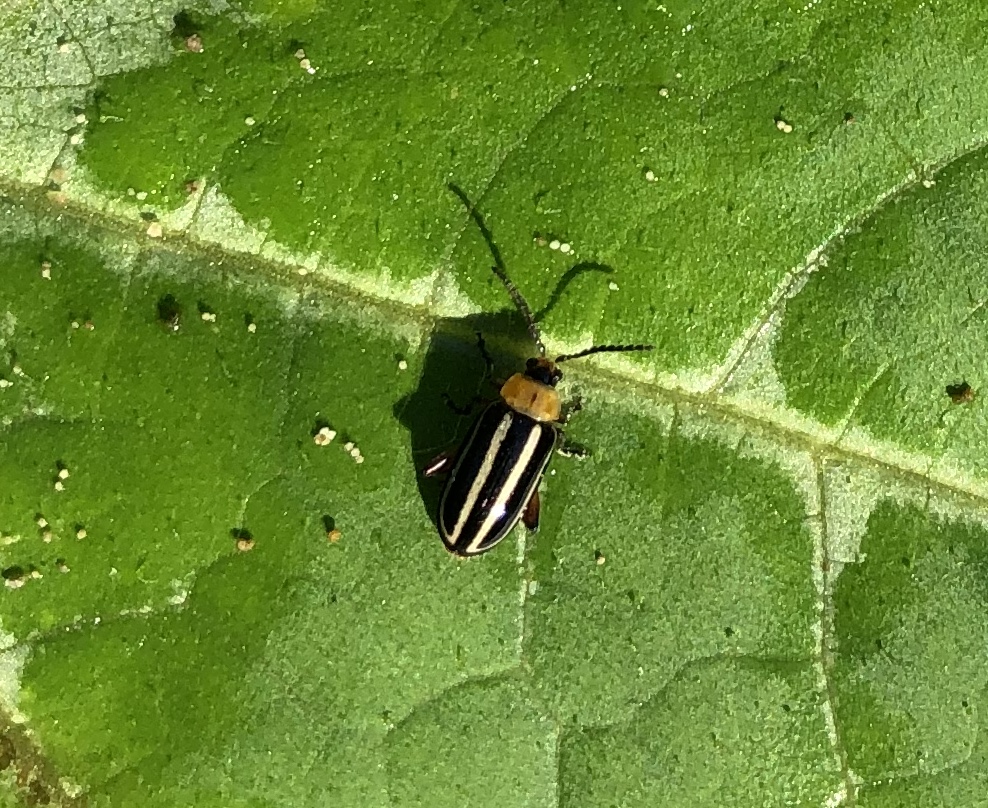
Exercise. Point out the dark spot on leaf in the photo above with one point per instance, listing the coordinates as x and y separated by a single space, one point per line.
169 313
964 704
786 708
185 25
728 632
960 393
906 561
37 793
13 573
849 117
7 752
149 216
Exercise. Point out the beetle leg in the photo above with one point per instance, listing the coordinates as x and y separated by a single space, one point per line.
570 409
530 516
466 409
488 361
570 449
489 377
439 465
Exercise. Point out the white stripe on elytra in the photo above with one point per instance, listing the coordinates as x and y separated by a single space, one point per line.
501 503
482 474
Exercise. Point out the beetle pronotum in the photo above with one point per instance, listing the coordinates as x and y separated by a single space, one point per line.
494 476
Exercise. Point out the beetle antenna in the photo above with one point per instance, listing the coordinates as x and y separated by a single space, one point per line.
603 349
523 307
500 271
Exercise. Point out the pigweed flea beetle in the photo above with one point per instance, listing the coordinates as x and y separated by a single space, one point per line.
494 476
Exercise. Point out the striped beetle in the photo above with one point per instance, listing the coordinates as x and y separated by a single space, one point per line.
494 476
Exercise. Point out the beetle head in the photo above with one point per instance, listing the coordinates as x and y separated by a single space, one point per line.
543 370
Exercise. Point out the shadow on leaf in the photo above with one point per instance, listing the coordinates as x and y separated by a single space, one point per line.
456 384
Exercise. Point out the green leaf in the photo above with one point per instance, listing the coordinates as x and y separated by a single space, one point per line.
224 232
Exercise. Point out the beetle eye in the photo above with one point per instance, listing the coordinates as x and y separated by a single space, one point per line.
531 363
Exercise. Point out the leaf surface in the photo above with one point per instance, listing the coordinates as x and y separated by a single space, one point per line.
223 233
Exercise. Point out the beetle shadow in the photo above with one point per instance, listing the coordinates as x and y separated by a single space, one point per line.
567 278
455 386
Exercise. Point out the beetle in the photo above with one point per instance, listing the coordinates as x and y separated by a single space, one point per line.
494 476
